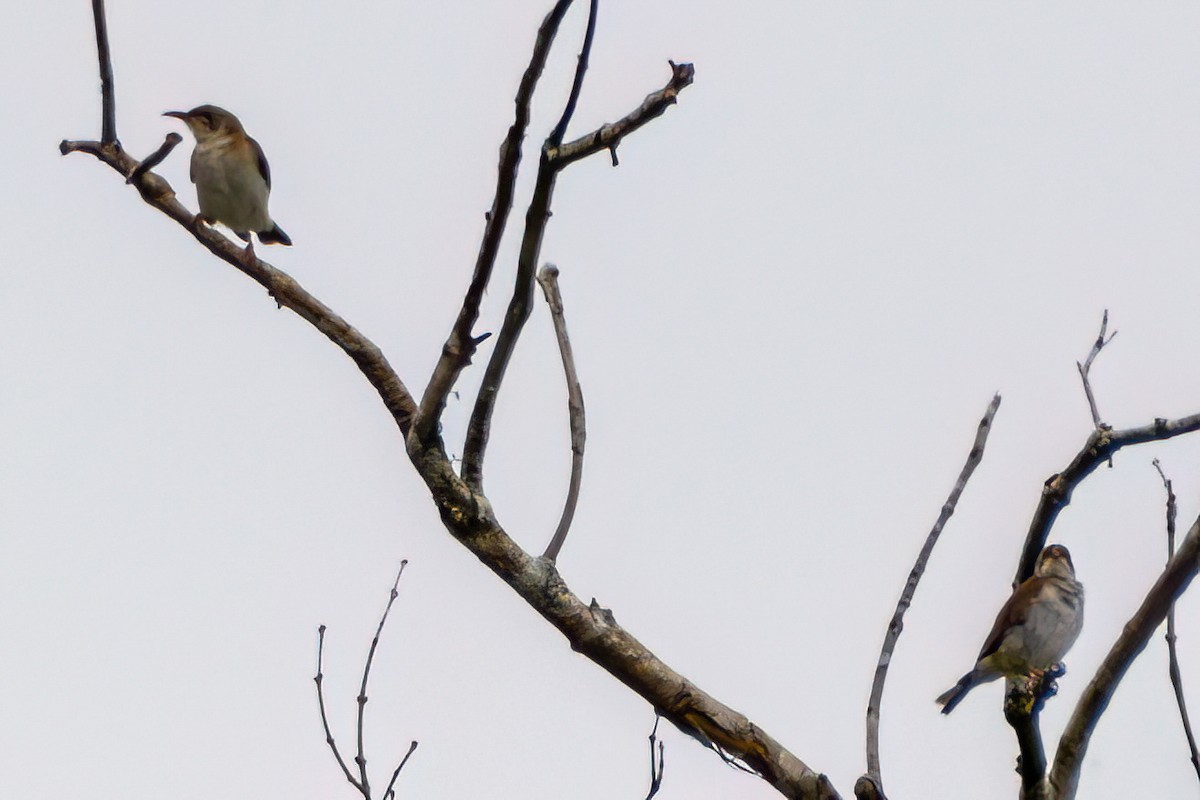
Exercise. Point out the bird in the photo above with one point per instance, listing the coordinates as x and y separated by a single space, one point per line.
231 175
1033 631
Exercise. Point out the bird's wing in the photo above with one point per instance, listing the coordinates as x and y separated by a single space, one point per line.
1013 612
263 168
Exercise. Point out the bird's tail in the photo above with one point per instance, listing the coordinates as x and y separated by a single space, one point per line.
955 694
274 236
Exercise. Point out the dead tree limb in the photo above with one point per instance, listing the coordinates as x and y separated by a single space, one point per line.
466 512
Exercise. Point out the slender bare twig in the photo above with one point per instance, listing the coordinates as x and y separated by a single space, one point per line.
896 626
320 680
460 345
1086 367
108 102
1072 747
1173 670
1101 444
560 130
548 280
361 758
154 159
390 791
608 137
656 761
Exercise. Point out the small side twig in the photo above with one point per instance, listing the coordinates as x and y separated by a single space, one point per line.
548 280
361 759
390 791
154 159
656 760
609 136
108 112
1086 367
320 679
1172 651
874 781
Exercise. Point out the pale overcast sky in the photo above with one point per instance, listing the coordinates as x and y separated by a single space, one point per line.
790 304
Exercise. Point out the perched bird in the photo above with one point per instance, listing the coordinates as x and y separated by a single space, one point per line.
1034 630
231 175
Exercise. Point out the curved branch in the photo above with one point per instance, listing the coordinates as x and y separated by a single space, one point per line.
1101 444
1085 368
548 280
1072 747
896 626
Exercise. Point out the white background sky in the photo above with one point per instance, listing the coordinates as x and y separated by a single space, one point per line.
790 303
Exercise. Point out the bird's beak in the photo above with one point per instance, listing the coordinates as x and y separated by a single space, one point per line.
177 114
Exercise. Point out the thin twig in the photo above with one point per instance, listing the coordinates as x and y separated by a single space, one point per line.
560 130
154 159
656 760
1172 652
896 626
609 136
390 792
108 105
320 679
361 758
548 280
1086 367
1072 747
460 345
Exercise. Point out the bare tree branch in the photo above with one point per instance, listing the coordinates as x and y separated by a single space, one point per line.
608 137
896 626
1072 747
108 102
1023 702
281 286
560 130
1101 444
1086 367
548 280
1172 651
460 346
361 758
320 681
